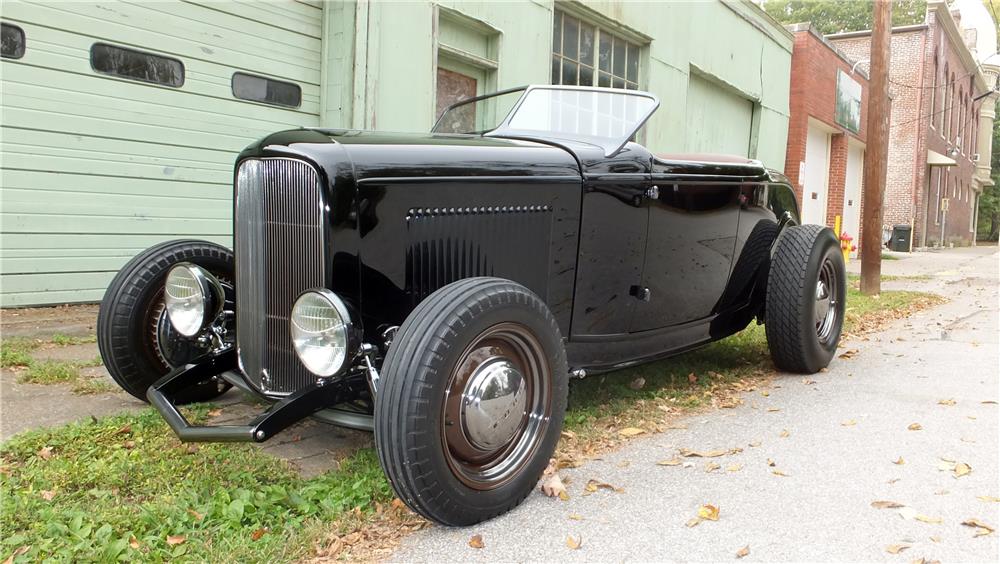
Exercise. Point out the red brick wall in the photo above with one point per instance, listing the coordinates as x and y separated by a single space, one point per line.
815 67
910 193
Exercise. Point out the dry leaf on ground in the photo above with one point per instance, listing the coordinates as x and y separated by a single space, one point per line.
476 541
849 353
631 431
20 550
882 504
45 453
780 473
989 402
899 461
574 543
848 423
784 434
961 469
946 402
712 467
915 426
553 487
47 495
988 498
575 516
703 453
175 539
734 467
896 548
773 409
708 512
692 521
637 384
755 443
256 535
743 551
926 519
594 485
671 462
197 516
214 412
981 528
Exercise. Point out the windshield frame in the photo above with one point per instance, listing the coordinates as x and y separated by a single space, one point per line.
611 146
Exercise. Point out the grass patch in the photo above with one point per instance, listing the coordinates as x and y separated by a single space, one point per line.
887 256
125 488
17 353
50 372
66 340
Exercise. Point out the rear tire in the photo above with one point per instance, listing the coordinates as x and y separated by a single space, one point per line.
806 295
457 452
130 311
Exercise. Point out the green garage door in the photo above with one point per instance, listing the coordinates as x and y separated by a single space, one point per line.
121 122
718 120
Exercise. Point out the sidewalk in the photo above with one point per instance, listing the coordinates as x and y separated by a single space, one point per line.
847 445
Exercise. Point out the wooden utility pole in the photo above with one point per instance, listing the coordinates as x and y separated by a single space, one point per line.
878 149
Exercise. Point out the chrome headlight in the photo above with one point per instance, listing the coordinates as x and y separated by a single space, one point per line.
321 327
193 298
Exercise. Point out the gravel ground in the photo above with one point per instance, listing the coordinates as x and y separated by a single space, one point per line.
845 429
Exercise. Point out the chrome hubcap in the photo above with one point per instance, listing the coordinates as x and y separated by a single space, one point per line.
825 307
493 404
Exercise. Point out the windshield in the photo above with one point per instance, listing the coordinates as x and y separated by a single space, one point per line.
606 117
479 114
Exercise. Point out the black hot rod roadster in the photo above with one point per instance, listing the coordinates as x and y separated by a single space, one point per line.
442 289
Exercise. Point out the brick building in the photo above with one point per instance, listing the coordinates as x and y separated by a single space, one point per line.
940 125
826 131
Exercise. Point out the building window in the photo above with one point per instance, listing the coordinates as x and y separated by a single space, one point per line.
12 39
136 65
587 55
266 90
934 94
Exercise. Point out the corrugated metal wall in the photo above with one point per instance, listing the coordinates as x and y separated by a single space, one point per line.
96 168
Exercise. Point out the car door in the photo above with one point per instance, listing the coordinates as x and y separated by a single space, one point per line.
690 243
612 248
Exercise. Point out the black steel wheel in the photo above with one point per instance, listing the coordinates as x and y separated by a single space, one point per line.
135 338
806 295
471 400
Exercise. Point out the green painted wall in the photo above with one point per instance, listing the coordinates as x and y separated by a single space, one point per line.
94 168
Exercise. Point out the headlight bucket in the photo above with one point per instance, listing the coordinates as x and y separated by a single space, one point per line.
193 298
321 331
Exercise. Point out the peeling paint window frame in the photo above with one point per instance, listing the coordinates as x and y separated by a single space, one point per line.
177 82
584 57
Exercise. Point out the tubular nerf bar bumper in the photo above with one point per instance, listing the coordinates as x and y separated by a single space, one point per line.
278 417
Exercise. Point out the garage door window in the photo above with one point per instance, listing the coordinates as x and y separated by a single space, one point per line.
13 41
586 55
266 90
136 65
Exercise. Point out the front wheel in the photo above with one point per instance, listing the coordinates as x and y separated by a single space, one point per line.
471 402
806 294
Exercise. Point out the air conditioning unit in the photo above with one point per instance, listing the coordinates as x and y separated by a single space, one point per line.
975 157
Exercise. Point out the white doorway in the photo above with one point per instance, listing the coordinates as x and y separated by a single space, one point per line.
851 222
815 176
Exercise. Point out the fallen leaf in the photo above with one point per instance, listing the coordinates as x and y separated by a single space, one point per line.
743 551
47 495
214 412
671 462
20 550
780 473
989 402
946 402
770 462
175 539
124 429
569 435
962 469
849 353
476 541
881 504
899 461
553 487
926 519
765 393
637 384
915 427
988 498
133 542
967 440
709 512
808 381
935 539
734 467
692 521
631 431
982 529
45 453
712 467
755 443
575 517
692 379
574 543
848 423
594 485
197 516
784 434
703 453
129 445
941 492
896 548
892 481
258 533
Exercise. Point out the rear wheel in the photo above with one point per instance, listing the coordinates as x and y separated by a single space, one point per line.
135 338
471 403
806 291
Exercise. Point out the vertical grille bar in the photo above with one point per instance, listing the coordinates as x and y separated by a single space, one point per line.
279 254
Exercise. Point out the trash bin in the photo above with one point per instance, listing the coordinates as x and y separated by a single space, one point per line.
901 238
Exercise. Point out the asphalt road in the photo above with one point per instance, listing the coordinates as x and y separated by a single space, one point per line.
844 433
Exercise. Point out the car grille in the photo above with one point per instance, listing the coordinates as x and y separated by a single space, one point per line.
279 254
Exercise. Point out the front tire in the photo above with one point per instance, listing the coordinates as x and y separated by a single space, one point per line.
471 400
131 311
806 295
